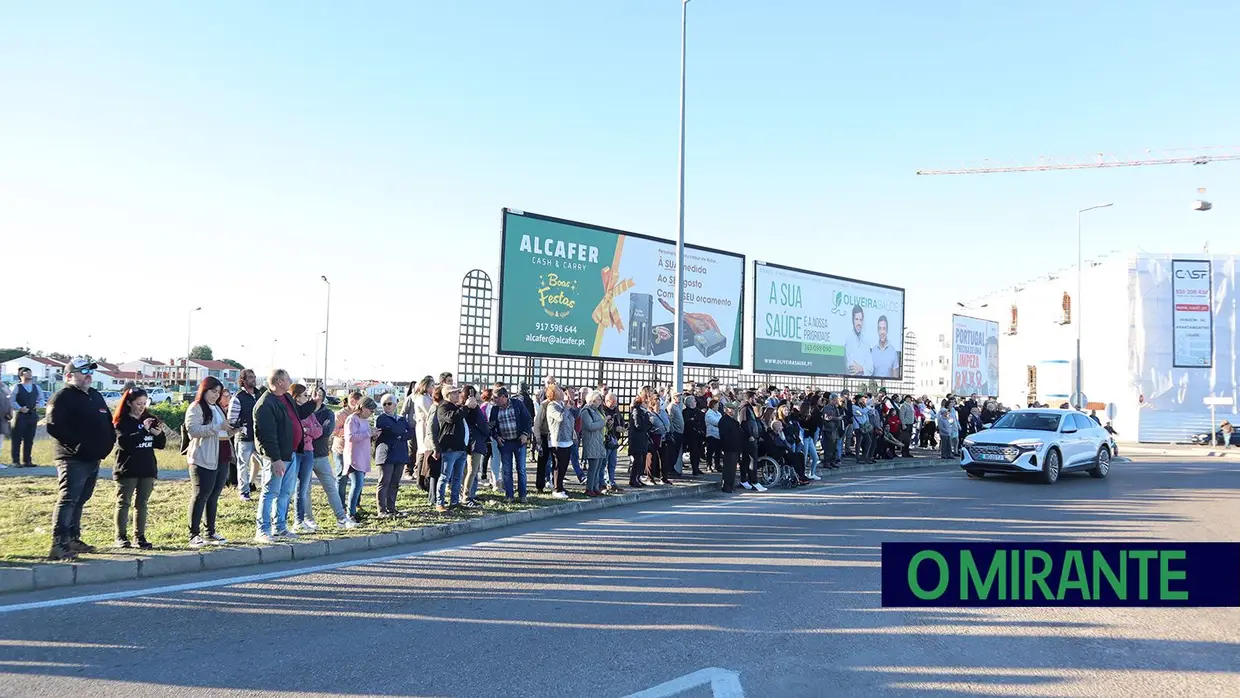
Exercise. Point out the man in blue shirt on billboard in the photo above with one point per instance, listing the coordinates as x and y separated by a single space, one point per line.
885 358
856 353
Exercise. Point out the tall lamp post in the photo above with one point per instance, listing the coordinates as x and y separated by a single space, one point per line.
189 333
1080 275
679 362
322 381
327 325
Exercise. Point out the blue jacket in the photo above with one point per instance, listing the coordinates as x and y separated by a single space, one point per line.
395 433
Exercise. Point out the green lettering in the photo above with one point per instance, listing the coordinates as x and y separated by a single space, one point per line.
1143 577
1038 577
970 575
944 575
1015 575
1166 575
1102 568
1074 566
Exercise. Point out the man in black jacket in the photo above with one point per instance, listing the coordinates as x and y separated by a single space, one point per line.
448 431
241 416
78 419
275 415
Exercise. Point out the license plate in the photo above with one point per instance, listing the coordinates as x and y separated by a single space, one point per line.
991 456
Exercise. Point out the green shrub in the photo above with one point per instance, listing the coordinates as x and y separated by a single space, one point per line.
172 414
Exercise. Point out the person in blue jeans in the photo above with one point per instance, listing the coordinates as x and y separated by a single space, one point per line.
511 426
450 433
278 435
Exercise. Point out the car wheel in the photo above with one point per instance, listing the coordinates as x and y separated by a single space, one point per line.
1102 465
1050 467
976 474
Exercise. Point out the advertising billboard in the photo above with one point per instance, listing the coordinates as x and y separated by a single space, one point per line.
816 324
1192 320
575 290
975 356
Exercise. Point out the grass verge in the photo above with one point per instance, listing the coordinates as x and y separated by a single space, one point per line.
169 458
26 505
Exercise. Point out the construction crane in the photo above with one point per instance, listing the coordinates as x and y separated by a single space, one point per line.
1182 156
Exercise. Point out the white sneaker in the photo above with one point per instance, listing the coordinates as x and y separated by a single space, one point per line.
347 523
217 539
559 495
309 526
746 485
264 539
815 477
196 542
758 486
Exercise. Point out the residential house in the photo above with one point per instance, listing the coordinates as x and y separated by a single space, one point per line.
46 371
146 367
178 372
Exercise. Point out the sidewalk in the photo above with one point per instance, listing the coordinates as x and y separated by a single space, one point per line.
107 566
1176 450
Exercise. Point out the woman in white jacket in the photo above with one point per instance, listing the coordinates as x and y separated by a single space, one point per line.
422 407
204 422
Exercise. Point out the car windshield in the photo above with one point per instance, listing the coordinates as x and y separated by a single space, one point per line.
1032 421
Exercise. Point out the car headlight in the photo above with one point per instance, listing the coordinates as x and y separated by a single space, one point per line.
1029 445
969 441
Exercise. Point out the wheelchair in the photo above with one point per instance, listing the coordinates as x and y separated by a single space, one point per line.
772 473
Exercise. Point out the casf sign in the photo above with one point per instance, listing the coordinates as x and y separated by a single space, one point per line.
1193 274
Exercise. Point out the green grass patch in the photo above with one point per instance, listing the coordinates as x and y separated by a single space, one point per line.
169 458
26 505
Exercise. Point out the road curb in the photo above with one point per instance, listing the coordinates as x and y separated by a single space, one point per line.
16 579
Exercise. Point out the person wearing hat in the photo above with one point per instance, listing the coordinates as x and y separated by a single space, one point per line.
731 442
81 425
450 434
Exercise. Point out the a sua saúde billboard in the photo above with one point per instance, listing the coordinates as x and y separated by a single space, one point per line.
1192 320
581 291
816 324
975 356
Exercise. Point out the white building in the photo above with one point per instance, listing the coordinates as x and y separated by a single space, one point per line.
149 368
45 371
1130 330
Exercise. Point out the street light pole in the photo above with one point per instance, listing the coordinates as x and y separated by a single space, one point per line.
1080 275
327 325
678 365
189 333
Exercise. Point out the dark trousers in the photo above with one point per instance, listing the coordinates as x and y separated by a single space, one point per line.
714 455
389 486
76 481
671 454
830 442
22 438
749 463
561 455
544 458
138 490
637 466
797 461
656 462
906 439
207 486
695 444
730 458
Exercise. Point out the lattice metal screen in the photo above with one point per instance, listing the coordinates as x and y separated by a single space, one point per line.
477 365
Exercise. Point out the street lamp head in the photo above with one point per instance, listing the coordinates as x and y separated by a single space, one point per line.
324 278
196 309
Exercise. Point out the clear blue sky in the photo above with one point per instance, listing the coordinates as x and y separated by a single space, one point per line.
226 154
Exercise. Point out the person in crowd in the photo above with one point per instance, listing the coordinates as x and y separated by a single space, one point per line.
611 439
593 448
673 446
908 423
303 460
1225 431
328 476
949 432
661 424
639 440
338 444
574 401
241 418
424 406
25 421
409 410
695 431
79 422
138 434
278 436
358 437
929 427
477 445
204 420
811 429
6 416
490 470
450 434
849 426
863 429
391 455
560 434
776 444
714 456
732 443
228 455
510 425
831 431
748 414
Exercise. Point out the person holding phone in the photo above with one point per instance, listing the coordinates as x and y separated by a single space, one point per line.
138 434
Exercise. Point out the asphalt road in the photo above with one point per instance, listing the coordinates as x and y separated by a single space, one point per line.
782 588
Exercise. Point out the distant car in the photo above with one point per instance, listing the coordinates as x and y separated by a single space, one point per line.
333 400
112 397
1041 442
158 395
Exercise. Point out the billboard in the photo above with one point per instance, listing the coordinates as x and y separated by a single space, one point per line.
975 356
1192 320
816 324
581 291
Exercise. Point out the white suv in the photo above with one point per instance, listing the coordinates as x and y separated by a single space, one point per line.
1042 442
158 395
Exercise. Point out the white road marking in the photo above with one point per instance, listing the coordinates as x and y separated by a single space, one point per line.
268 576
723 684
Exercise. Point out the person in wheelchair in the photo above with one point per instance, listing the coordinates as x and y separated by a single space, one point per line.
776 445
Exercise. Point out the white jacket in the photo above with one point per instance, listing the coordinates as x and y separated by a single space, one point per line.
424 412
204 437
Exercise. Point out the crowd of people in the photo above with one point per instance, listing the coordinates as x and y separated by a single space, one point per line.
274 441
